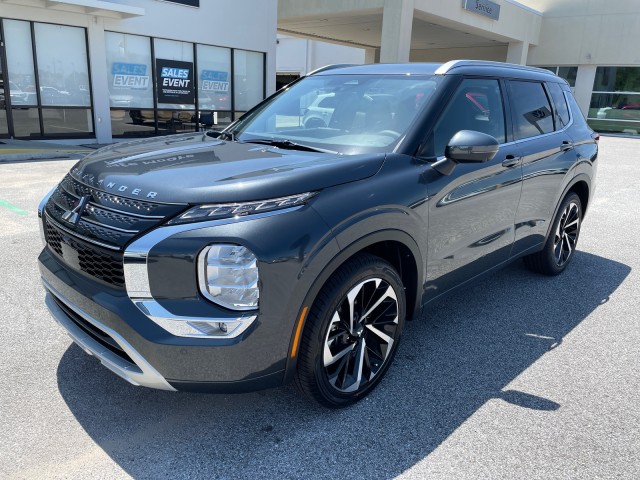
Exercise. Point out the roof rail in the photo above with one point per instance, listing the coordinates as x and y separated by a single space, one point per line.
330 67
447 67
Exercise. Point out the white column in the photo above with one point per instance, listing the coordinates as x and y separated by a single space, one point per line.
371 55
99 82
397 21
518 52
271 41
584 86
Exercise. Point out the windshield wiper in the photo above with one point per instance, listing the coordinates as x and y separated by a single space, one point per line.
288 144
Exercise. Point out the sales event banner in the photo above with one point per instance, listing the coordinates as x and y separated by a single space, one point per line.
175 82
130 75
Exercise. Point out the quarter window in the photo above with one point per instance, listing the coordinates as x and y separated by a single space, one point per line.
531 109
560 105
476 105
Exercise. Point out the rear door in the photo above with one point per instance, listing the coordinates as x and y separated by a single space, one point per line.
540 120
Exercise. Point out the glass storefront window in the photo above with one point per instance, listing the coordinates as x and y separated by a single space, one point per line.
63 72
615 102
176 121
617 79
567 73
248 79
4 126
182 54
26 122
214 78
132 123
19 53
129 70
131 90
67 121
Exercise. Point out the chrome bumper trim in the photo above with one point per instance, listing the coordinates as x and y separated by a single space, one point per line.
141 373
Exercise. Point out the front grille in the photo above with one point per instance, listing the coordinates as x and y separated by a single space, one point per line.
95 243
103 264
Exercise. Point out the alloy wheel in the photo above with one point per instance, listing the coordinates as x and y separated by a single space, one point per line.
566 236
360 335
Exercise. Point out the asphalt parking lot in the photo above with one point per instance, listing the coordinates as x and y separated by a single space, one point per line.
520 376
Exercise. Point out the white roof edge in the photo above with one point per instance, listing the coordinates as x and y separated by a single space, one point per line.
525 7
101 5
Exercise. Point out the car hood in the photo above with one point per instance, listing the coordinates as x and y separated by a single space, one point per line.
196 168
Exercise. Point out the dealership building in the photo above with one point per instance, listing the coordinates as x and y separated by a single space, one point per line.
97 70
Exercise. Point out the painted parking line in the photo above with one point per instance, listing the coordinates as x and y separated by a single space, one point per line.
11 207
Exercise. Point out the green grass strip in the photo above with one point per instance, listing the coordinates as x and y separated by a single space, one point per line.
12 207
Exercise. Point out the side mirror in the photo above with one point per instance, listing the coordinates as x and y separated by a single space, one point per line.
469 146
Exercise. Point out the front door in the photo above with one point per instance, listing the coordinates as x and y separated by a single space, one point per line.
472 210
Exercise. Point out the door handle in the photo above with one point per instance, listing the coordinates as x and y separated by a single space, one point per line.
566 146
511 161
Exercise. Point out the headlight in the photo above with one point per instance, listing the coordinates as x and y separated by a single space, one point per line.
227 210
228 276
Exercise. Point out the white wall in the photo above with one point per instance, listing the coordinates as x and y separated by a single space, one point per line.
298 55
442 55
583 32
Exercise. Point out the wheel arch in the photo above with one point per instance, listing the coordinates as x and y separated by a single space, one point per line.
581 186
394 246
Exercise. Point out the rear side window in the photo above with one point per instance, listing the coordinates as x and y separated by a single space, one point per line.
560 105
531 109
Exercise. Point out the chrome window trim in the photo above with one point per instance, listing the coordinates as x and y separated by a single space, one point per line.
140 373
136 273
516 142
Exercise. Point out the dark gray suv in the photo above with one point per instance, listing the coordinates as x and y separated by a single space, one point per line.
283 249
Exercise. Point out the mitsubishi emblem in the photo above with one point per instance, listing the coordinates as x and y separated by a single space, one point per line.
73 216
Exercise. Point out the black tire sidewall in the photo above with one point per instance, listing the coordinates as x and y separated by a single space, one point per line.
549 250
371 269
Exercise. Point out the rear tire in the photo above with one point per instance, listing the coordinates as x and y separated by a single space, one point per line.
563 239
352 332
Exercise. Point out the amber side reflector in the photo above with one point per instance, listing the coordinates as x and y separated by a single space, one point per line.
296 338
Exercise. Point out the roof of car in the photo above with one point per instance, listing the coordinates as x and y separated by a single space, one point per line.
460 67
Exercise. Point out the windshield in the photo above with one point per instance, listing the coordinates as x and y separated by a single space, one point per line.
347 114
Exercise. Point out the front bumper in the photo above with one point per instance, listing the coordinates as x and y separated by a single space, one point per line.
113 351
106 324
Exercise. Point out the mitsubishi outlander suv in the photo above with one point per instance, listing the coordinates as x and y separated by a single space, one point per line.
285 250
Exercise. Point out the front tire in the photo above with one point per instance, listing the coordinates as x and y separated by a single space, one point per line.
352 332
563 239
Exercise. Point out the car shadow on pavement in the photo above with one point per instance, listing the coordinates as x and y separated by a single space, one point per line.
463 352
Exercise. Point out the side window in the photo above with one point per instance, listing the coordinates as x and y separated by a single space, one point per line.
476 105
531 110
560 105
